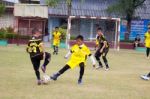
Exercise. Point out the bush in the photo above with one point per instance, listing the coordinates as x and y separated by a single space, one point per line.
8 33
63 33
73 37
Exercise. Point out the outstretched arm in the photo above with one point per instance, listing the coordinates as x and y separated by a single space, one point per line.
68 54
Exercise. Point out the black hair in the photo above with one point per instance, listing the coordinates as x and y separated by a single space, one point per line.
80 37
56 27
99 29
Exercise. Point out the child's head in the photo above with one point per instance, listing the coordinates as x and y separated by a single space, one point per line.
36 33
56 29
79 40
99 31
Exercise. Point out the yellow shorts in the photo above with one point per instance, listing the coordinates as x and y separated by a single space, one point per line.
56 43
74 63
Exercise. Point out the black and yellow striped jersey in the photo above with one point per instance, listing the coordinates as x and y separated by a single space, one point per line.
34 47
101 40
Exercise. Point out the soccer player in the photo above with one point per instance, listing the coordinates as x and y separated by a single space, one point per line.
146 77
147 42
79 53
96 43
102 50
37 53
56 40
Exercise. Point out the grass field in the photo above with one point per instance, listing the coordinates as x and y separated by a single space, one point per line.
17 78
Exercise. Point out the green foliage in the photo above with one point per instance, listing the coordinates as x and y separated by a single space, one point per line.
52 3
63 33
73 37
2 9
125 7
8 33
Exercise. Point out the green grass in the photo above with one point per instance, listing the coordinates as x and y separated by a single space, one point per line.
17 78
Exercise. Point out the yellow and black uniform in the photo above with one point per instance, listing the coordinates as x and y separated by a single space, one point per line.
101 40
35 50
56 41
147 43
34 47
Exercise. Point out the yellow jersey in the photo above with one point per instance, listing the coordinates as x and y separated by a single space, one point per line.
147 39
56 36
79 55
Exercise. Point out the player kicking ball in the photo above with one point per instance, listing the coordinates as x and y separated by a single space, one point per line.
37 53
146 77
79 53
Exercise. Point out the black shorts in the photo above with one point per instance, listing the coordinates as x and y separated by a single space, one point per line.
104 53
36 61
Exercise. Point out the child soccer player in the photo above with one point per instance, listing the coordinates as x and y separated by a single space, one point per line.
79 53
146 77
147 42
56 40
102 50
36 50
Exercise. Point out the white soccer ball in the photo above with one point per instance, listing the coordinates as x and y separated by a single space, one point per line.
46 79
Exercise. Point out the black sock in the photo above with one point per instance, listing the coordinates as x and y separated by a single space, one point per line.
37 75
81 70
47 59
65 68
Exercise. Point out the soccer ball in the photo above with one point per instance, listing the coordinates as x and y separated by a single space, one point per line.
46 79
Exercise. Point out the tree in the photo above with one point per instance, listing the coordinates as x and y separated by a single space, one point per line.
2 9
53 3
126 8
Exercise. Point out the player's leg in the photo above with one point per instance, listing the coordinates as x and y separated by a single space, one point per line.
147 52
97 56
54 47
104 57
81 72
36 64
46 61
61 71
57 49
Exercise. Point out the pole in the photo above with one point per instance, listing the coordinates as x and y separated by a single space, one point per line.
68 32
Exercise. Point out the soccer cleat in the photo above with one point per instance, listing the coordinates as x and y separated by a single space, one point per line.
107 68
54 77
144 77
98 67
79 81
39 82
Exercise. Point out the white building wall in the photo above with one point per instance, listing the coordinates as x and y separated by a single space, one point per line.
7 20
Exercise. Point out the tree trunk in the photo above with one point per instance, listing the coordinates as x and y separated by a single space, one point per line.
68 26
129 19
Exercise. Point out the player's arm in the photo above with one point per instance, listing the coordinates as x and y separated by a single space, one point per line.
105 43
68 54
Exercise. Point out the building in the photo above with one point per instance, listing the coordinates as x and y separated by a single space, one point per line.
7 19
87 26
